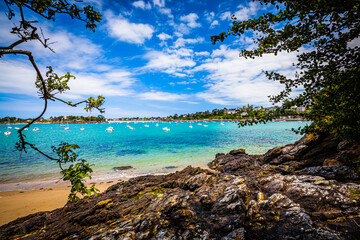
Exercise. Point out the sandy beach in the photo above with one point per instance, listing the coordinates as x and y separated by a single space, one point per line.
20 203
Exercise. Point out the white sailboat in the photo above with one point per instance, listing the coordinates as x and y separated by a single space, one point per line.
7 133
205 125
35 129
130 127
82 127
190 126
146 125
157 125
62 123
67 126
166 129
110 129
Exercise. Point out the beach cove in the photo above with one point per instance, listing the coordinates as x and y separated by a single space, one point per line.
148 149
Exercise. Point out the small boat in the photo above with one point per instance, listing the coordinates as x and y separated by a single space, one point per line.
146 125
17 128
110 129
166 129
25 129
7 133
199 124
9 127
82 127
35 129
205 125
190 126
130 127
62 123
156 125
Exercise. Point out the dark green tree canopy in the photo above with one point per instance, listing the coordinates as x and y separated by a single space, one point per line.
326 35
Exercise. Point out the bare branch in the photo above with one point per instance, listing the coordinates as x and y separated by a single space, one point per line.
67 103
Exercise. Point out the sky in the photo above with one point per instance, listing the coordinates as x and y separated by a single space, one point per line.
147 58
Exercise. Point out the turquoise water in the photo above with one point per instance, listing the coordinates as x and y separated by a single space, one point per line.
147 149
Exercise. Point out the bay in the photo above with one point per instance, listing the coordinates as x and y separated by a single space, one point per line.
149 150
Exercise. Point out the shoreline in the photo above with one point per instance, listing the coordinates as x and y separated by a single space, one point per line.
47 195
285 118
13 204
122 175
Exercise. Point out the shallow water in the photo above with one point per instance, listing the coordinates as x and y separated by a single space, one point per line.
147 149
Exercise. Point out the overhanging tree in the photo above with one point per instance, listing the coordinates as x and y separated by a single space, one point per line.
50 85
326 35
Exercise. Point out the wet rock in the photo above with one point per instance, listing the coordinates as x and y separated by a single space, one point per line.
170 167
122 168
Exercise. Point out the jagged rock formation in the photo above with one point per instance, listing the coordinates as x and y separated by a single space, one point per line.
296 191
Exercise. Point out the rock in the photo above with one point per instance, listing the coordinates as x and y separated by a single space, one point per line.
237 152
295 191
331 162
238 234
170 167
122 168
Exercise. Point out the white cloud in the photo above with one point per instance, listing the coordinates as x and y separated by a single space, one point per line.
159 3
203 53
166 11
225 15
354 43
183 52
164 36
244 12
142 5
112 83
234 80
209 16
182 29
17 77
125 31
190 19
181 42
71 52
161 96
214 23
169 62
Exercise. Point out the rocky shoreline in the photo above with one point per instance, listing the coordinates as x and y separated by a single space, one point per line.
305 190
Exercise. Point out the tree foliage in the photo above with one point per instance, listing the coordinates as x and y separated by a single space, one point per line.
324 33
52 84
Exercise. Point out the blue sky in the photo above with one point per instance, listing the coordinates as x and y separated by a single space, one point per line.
148 58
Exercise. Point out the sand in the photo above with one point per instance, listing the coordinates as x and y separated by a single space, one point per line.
19 203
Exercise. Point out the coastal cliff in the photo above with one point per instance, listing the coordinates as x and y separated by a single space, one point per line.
306 190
